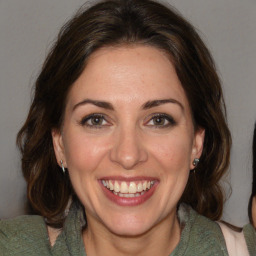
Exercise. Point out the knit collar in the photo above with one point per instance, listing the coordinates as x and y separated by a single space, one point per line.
186 216
70 241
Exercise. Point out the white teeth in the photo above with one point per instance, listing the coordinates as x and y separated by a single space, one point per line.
144 186
128 189
132 188
124 187
139 187
116 187
111 186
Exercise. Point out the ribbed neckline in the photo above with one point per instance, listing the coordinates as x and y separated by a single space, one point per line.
71 235
184 214
70 241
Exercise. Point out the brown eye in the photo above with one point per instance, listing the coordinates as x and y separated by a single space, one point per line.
94 121
161 121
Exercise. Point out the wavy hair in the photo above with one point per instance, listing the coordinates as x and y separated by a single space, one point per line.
116 23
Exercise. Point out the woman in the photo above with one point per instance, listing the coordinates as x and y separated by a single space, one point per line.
252 202
248 230
128 126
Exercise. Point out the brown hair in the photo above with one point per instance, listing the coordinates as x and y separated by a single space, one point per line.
122 22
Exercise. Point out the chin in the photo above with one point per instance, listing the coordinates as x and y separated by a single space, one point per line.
129 231
126 226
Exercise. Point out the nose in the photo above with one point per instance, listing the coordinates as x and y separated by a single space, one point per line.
128 150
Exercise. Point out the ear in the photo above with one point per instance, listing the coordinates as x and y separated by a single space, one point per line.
198 145
58 146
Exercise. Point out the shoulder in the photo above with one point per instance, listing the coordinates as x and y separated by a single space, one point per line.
250 238
21 223
24 235
208 230
200 224
234 236
200 235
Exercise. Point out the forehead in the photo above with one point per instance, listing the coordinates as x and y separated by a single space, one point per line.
126 74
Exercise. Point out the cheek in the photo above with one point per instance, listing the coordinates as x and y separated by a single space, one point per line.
173 151
84 153
172 155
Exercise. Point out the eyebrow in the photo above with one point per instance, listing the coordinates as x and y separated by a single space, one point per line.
155 103
101 104
109 106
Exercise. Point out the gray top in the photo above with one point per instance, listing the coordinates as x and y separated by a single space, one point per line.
27 236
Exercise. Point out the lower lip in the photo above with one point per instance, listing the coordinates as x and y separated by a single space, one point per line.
130 201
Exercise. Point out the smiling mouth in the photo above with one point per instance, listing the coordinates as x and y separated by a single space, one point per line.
128 189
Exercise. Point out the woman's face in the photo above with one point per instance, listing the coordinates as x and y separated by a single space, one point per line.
128 139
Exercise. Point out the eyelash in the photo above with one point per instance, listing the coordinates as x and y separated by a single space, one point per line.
168 118
85 120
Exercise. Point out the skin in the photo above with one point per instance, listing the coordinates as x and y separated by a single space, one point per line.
254 211
129 143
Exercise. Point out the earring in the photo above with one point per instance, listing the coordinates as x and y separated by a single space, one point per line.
62 166
196 162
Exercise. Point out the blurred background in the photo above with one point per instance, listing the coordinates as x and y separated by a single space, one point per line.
27 30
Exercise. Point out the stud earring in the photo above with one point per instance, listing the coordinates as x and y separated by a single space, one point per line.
62 166
196 162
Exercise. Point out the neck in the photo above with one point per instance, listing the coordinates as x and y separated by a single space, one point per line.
160 240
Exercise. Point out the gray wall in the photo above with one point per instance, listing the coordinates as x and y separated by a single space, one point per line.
27 29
